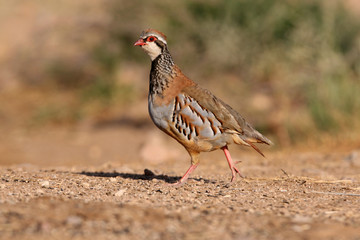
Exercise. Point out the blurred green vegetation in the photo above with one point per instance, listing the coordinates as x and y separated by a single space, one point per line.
293 65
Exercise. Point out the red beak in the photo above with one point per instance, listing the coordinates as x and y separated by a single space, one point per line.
140 42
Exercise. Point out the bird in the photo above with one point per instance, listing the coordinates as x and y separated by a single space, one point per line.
189 113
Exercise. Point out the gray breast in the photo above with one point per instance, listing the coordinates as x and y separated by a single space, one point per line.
160 114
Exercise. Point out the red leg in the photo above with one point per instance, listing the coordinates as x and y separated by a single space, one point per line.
232 166
186 175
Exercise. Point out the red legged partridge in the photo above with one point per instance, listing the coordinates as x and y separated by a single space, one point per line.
189 113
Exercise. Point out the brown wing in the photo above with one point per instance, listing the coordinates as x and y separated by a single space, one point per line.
231 120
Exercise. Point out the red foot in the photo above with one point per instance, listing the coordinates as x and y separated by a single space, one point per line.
186 176
232 166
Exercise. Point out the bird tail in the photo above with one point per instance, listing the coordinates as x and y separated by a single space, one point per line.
255 137
255 147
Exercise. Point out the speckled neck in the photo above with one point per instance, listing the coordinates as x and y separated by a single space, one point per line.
161 72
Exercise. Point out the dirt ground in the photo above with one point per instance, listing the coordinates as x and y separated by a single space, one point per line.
112 183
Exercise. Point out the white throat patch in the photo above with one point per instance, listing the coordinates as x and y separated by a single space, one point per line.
152 49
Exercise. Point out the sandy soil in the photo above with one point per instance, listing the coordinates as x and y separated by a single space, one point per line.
107 184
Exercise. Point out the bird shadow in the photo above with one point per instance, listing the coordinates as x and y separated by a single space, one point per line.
148 175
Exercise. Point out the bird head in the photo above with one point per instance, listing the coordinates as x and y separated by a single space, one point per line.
153 42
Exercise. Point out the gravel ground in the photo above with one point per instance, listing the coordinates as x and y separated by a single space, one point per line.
110 204
288 195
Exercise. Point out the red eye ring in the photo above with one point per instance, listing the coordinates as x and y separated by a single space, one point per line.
151 39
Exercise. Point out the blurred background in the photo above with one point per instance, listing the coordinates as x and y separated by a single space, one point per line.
73 89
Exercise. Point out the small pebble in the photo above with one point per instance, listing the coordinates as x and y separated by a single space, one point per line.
301 219
301 228
39 191
74 220
148 173
45 184
120 193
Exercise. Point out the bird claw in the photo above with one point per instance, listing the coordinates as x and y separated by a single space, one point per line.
235 171
176 184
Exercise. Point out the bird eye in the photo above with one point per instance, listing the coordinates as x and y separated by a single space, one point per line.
151 39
